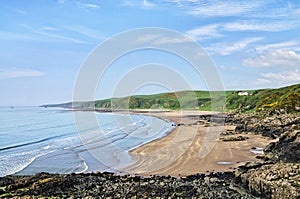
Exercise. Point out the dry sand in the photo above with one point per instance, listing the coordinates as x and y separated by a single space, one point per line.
192 148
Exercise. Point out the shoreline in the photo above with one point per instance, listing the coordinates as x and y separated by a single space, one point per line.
276 175
177 153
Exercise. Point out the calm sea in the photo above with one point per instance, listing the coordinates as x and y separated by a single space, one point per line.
36 140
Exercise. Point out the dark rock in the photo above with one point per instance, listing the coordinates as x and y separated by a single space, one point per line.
238 138
287 149
271 181
109 185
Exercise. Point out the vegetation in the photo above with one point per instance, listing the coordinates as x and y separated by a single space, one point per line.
273 100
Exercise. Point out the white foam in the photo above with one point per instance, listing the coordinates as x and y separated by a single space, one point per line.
15 163
46 147
226 163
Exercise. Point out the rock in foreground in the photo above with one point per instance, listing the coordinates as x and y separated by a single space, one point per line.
108 185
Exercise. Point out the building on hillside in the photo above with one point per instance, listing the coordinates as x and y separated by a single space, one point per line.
243 93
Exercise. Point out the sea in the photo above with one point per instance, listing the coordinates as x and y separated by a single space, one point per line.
36 139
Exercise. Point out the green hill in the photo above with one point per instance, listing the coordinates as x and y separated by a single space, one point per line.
286 98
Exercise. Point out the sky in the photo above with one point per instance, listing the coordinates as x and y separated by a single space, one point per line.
43 43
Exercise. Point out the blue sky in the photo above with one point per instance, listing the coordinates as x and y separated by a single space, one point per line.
254 44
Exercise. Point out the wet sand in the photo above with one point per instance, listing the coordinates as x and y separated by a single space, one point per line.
192 148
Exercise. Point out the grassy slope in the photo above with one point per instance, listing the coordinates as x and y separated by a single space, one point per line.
286 98
266 99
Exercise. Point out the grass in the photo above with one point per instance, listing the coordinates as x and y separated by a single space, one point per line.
286 98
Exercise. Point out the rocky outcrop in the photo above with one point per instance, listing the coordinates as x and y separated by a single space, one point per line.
287 149
231 138
108 185
281 180
279 175
265 124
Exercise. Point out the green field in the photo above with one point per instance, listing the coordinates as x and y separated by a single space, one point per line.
286 98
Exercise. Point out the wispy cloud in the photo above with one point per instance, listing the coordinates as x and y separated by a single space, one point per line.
213 8
267 26
282 77
88 5
222 8
276 57
21 11
9 73
160 40
141 4
172 40
229 48
148 4
54 33
61 2
205 32
49 28
7 35
91 33
286 45
296 12
261 81
59 37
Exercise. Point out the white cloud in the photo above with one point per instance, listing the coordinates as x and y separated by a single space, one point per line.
283 77
222 8
147 38
160 40
287 45
142 4
6 73
6 35
229 48
21 11
270 26
171 40
56 36
91 33
228 68
88 5
296 12
61 2
128 3
46 34
49 28
261 81
205 32
147 4
294 9
43 34
271 58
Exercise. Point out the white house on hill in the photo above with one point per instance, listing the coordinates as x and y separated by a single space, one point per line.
241 93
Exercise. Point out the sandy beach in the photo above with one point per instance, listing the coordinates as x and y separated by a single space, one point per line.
192 147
